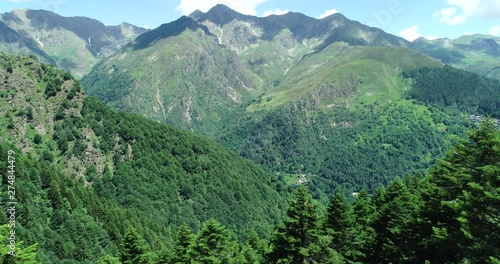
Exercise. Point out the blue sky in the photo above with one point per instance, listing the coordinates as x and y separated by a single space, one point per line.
406 18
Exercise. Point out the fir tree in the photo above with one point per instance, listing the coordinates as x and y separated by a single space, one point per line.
393 222
300 239
212 244
364 211
462 200
133 248
339 223
182 243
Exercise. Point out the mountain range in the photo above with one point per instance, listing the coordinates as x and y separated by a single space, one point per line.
235 58
288 91
71 43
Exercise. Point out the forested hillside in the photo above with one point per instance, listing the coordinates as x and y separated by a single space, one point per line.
365 144
459 89
448 216
85 173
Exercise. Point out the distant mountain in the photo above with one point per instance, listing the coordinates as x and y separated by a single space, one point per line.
476 53
72 43
86 173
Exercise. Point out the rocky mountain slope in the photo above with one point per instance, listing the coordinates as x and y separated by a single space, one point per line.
197 70
71 43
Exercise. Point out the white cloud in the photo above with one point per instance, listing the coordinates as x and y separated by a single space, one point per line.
276 11
450 16
411 34
328 13
494 31
246 7
459 11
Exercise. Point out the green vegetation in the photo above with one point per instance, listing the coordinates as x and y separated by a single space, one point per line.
354 148
460 89
476 53
448 216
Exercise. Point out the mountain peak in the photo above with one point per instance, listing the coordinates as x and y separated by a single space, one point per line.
336 16
221 7
221 14
196 14
168 30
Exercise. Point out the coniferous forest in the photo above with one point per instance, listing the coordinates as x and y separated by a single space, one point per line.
447 216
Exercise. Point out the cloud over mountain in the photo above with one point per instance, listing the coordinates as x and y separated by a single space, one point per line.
328 13
276 11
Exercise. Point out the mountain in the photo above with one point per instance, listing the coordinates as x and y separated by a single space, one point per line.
193 73
84 173
72 43
329 101
476 53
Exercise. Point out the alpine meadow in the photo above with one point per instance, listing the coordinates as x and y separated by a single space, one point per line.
226 137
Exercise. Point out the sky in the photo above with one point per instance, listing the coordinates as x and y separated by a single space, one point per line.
409 19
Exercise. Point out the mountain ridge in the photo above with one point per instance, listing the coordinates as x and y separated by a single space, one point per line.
72 43
477 53
246 56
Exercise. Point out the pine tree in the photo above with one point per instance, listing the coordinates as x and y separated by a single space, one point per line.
462 200
133 248
182 243
300 239
339 223
254 249
364 211
393 222
212 244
